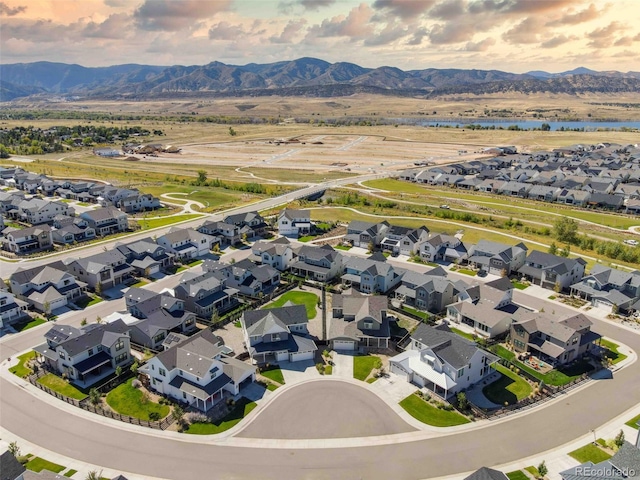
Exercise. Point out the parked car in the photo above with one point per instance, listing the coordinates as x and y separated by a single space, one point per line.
633 243
446 207
482 273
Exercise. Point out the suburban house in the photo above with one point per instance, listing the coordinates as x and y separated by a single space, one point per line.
89 354
226 233
609 288
47 288
552 271
71 229
485 473
27 240
12 309
106 221
359 321
497 258
317 263
250 224
205 293
197 371
440 247
186 243
553 341
10 467
371 276
442 361
487 308
624 464
278 334
403 240
430 291
106 269
158 315
294 223
245 276
139 202
366 234
277 254
36 211
146 256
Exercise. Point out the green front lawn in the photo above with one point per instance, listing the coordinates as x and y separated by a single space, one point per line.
308 299
38 464
533 471
140 283
343 247
362 366
28 323
466 271
273 373
127 400
590 453
517 475
417 313
426 413
70 473
164 221
87 301
306 238
242 408
61 386
21 369
509 388
519 286
466 335
193 263
633 423
612 351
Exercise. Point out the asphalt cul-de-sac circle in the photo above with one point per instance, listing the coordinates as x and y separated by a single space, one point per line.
326 409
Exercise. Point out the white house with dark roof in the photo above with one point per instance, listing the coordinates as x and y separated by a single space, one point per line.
605 287
294 223
89 354
107 220
430 291
549 270
27 240
146 256
442 247
245 276
204 293
317 263
498 258
442 361
371 276
12 309
251 223
358 321
186 243
362 234
197 371
278 334
277 254
36 211
227 233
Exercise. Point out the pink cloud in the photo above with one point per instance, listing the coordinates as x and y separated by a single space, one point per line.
174 15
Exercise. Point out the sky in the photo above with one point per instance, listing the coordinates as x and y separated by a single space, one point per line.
509 35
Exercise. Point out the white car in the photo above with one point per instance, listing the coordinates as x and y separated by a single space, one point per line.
631 242
446 207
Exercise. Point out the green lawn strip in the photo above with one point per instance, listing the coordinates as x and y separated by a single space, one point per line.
533 471
147 224
61 386
328 369
237 324
88 300
70 473
517 475
308 299
465 271
342 247
417 313
372 379
27 324
519 285
590 453
612 351
306 238
552 297
363 365
633 423
466 335
503 352
426 413
602 442
273 373
242 408
38 464
21 369
127 400
509 388
140 283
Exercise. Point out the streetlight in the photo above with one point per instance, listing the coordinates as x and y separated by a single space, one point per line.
594 436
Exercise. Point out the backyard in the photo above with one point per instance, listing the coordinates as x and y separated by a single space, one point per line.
128 400
61 386
431 415
611 351
241 409
308 299
510 388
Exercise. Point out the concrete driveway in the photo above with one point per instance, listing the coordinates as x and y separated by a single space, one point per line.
296 372
325 409
394 387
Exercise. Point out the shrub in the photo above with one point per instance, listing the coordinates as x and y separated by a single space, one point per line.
154 416
195 417
136 383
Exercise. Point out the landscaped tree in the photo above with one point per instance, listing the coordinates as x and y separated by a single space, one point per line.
619 440
244 238
83 322
99 289
553 248
93 475
178 415
202 177
118 371
215 316
565 251
216 248
566 230
94 396
14 449
463 403
557 287
98 319
134 367
46 306
542 469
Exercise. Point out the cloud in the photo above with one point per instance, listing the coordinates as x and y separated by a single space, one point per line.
586 15
11 11
405 9
481 46
316 4
289 32
356 25
527 31
557 41
418 36
225 31
520 6
38 31
448 10
389 34
174 15
115 26
117 3
603 37
450 33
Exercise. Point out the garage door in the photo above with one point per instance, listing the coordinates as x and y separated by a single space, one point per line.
282 356
343 345
399 371
299 356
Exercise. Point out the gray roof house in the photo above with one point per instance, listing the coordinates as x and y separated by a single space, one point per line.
485 473
430 291
371 276
245 276
294 223
205 293
549 270
106 221
322 264
625 464
187 243
277 254
498 258
606 287
106 269
359 321
278 334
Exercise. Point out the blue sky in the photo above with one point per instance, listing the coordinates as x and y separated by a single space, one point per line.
510 35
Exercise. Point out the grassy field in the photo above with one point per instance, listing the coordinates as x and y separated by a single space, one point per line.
37 464
21 369
510 388
61 386
308 299
612 351
164 221
273 373
364 365
127 400
28 323
426 413
242 408
590 453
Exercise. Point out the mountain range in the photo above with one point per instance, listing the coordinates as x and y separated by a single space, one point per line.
304 76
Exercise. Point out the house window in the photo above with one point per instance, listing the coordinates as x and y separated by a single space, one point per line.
90 352
162 372
99 348
368 324
184 394
460 372
122 357
119 345
61 354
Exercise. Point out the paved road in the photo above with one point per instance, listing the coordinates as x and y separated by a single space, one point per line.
332 409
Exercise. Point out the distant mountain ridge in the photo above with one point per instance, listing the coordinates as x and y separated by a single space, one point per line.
295 77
